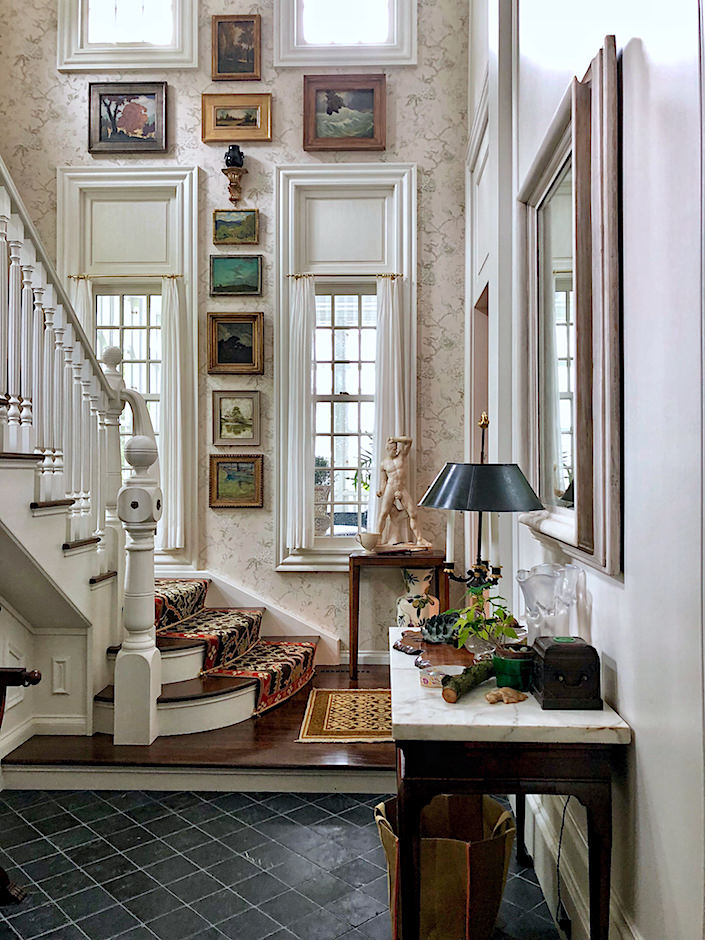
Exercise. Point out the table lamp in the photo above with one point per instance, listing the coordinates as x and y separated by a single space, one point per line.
479 487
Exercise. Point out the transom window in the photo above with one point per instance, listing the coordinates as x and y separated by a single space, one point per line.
132 322
328 22
133 21
344 354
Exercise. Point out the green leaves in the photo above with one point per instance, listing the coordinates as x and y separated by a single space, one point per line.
487 617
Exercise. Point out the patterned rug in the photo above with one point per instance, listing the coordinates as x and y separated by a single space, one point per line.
176 599
348 716
281 669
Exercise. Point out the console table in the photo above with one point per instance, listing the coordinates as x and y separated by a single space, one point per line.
407 559
475 747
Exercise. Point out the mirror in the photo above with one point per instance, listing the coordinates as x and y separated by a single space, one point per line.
556 343
569 324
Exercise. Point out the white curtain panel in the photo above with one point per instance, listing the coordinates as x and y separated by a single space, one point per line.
300 445
81 297
170 531
392 382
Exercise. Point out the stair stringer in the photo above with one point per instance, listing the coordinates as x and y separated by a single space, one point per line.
222 592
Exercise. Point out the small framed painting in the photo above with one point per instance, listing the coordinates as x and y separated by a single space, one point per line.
235 343
236 275
235 48
236 419
234 118
236 227
345 112
236 481
127 117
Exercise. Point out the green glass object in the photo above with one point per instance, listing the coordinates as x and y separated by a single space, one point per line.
513 673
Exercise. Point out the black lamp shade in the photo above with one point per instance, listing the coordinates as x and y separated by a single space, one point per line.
486 487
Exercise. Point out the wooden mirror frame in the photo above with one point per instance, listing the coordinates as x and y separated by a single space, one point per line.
584 129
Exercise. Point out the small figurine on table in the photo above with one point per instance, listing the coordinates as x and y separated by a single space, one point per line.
394 492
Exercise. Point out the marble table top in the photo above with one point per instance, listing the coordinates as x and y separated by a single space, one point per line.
420 714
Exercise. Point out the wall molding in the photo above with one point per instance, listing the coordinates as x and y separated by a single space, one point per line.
41 724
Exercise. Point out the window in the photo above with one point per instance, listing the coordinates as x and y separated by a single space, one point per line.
323 32
565 356
132 322
127 34
344 354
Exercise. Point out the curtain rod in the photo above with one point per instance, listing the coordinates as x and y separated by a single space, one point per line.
120 277
296 277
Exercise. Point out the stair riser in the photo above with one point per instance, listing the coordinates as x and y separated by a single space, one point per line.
206 714
177 665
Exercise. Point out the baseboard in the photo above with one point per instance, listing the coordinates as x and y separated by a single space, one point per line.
367 658
41 724
574 868
18 777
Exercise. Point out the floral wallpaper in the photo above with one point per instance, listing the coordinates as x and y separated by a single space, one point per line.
43 124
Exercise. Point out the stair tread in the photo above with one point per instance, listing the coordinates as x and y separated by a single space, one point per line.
189 689
167 643
311 638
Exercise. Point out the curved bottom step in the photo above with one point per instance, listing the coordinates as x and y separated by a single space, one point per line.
203 704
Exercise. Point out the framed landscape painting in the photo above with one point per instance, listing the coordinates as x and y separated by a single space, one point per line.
236 227
345 112
234 118
235 343
235 48
236 419
236 275
235 481
127 117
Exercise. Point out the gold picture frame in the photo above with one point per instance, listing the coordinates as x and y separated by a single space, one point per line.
236 118
236 47
236 226
235 481
236 343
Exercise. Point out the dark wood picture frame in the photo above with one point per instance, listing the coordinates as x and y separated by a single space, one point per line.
218 364
124 142
216 500
238 129
332 86
219 40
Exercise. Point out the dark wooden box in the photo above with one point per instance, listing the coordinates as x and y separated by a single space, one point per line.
566 673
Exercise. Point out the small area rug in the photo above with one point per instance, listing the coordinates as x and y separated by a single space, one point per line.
348 716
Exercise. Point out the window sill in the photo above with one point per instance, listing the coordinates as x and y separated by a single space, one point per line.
333 558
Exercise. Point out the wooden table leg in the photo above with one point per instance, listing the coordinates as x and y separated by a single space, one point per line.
523 857
354 576
443 588
599 820
408 822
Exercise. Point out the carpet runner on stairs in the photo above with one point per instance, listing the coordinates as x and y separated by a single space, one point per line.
232 640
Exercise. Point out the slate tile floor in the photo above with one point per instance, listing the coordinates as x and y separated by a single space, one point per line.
210 865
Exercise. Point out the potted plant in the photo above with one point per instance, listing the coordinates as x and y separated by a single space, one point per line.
321 487
488 618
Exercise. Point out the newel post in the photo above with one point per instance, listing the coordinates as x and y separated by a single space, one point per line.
138 665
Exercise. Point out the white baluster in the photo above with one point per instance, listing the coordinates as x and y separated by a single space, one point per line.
69 418
59 484
27 261
114 532
14 333
87 451
4 313
138 664
77 438
46 404
38 375
101 405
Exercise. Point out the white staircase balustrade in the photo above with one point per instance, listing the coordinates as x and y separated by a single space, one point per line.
138 674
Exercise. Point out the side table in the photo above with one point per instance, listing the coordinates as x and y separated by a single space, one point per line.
358 560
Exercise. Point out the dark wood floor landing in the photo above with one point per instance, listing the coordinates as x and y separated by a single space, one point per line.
265 742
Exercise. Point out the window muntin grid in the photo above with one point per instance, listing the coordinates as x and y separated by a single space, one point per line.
132 322
344 356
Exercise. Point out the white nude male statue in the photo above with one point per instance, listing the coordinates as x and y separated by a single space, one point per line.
394 476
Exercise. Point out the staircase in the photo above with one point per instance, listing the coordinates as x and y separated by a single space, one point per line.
216 669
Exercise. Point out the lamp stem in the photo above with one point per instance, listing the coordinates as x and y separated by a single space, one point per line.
479 537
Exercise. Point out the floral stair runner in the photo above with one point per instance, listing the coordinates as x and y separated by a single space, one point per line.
232 640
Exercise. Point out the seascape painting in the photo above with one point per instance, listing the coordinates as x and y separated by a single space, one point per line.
236 227
235 275
345 113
